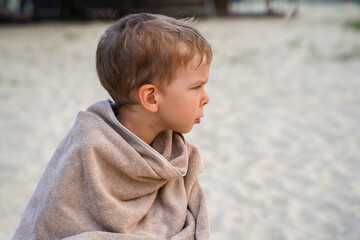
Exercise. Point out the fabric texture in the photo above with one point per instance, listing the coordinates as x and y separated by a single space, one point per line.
103 182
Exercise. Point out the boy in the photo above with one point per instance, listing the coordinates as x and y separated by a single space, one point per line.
125 171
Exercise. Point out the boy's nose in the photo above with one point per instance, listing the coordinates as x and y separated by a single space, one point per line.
205 100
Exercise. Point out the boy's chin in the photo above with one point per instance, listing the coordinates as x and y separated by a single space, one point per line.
184 131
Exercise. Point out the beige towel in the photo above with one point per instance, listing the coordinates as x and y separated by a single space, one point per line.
103 182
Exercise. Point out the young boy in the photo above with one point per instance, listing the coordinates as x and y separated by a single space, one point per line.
125 171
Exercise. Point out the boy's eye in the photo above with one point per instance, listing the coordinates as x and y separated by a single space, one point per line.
197 87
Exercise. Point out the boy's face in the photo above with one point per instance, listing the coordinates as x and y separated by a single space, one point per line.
183 100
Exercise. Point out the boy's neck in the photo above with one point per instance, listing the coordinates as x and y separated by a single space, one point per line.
138 121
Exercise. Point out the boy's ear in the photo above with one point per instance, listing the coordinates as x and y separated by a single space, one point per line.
147 94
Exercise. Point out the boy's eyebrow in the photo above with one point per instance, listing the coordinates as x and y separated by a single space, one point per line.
200 82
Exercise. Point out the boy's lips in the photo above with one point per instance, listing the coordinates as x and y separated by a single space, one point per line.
198 120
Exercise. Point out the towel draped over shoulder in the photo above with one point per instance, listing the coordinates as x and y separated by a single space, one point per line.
103 182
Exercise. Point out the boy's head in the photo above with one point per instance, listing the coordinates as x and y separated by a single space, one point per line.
146 48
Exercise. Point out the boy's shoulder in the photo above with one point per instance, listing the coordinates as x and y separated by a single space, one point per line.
92 126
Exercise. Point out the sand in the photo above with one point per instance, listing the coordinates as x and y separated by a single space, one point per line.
280 139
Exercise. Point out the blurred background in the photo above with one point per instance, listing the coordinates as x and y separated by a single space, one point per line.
280 139
26 10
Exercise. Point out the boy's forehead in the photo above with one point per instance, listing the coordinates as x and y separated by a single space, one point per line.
197 61
198 66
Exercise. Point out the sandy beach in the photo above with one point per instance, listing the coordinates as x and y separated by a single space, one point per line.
280 139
